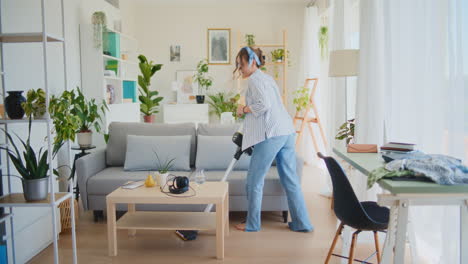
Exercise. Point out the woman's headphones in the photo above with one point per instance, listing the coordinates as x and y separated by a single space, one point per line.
180 184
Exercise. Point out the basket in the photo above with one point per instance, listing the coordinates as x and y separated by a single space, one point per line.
65 214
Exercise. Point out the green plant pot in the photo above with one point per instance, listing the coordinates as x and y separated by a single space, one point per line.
35 190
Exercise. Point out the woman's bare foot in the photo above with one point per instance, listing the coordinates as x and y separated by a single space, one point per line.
240 226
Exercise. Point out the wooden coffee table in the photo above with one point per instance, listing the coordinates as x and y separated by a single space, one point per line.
207 193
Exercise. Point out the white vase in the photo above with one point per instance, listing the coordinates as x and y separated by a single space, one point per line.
85 139
161 179
227 118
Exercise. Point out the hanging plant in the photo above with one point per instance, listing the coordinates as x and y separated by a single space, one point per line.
250 40
99 22
323 41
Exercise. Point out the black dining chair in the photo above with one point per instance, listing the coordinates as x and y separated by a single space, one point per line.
362 216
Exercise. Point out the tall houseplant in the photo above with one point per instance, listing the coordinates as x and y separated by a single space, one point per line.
204 81
149 99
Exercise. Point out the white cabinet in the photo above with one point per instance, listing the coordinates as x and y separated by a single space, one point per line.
184 113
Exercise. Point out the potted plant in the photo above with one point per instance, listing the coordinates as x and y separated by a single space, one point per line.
301 98
346 131
35 104
33 169
66 123
323 41
204 82
149 99
163 169
250 40
277 55
222 103
89 114
99 22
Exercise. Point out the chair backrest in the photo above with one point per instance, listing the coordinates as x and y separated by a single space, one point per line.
346 205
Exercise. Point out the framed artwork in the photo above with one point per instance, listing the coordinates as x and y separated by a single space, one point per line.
175 53
219 46
186 88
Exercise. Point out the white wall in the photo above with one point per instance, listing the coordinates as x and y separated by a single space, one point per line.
159 24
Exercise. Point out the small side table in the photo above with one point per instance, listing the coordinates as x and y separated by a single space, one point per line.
77 156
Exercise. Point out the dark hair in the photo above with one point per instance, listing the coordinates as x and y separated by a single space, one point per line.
243 54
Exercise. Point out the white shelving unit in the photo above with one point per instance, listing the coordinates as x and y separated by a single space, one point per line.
12 200
95 82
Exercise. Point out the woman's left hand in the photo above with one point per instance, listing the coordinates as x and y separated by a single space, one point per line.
240 110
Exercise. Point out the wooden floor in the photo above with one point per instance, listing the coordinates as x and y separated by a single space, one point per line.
274 244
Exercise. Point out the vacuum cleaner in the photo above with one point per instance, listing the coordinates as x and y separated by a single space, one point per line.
237 139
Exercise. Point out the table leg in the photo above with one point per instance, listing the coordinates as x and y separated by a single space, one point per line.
226 208
131 209
220 224
111 229
387 251
402 224
464 233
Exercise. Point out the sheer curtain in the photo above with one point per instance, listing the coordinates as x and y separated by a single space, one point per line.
411 85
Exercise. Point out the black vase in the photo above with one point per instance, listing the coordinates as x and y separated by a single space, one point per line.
200 99
13 106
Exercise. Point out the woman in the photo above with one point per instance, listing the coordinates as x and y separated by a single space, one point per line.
269 128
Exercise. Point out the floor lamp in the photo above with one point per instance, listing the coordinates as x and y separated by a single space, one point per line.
344 63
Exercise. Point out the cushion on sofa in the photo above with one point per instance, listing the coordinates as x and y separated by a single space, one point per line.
118 132
217 152
142 150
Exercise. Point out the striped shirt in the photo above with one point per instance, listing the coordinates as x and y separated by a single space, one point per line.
268 117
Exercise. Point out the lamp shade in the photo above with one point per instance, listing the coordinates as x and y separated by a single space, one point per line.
344 63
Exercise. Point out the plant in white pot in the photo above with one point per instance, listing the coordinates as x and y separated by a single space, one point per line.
33 169
163 168
89 114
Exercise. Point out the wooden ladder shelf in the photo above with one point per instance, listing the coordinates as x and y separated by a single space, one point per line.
306 120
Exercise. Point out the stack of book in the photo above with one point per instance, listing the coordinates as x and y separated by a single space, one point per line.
397 147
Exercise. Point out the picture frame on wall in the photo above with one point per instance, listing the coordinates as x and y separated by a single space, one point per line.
186 87
219 46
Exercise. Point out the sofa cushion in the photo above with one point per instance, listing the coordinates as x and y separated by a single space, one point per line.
118 132
142 150
216 152
217 129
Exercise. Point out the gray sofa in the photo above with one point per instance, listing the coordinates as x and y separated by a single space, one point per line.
102 171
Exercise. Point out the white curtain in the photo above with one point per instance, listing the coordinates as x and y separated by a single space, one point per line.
411 84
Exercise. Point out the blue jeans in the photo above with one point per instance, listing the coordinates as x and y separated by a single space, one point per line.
283 149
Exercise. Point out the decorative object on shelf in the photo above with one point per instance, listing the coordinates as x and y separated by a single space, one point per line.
99 22
130 93
323 41
301 98
221 103
110 94
175 53
109 73
277 55
33 170
250 40
111 44
149 99
13 104
346 131
163 169
35 104
89 114
204 81
112 65
149 182
185 86
219 46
